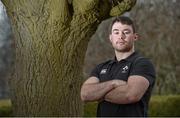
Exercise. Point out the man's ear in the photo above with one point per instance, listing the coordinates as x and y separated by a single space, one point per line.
110 39
136 36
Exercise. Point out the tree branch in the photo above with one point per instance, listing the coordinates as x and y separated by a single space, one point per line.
122 6
60 10
82 6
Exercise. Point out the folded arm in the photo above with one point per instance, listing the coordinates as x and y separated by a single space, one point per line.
93 90
131 92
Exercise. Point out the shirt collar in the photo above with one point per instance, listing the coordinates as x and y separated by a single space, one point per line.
129 58
132 56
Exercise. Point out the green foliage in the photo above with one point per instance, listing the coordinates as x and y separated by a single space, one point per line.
5 108
5 111
159 106
90 109
165 106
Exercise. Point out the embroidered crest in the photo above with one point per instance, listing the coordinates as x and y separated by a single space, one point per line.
125 69
103 71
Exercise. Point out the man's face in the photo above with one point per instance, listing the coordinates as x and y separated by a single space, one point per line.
122 37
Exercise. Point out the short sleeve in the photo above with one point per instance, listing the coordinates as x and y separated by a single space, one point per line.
144 67
95 72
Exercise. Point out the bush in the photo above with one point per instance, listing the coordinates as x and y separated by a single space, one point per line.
159 106
165 106
90 109
5 108
5 111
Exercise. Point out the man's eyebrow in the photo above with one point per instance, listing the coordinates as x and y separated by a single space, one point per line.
122 30
126 30
115 30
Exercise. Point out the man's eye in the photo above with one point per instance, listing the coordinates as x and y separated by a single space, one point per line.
126 32
116 32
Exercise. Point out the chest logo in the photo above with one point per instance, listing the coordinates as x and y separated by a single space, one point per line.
103 71
125 69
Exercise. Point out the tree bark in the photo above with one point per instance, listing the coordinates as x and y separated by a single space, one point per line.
51 38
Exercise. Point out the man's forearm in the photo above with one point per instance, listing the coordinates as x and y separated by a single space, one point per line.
95 92
118 95
130 92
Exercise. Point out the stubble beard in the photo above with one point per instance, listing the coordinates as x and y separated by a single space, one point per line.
126 48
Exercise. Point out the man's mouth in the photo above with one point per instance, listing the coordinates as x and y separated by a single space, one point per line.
120 43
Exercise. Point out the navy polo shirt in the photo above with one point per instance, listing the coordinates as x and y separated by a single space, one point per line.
135 64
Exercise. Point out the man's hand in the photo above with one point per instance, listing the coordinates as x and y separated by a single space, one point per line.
93 90
129 92
116 83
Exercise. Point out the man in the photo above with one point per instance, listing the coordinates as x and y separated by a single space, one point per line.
122 86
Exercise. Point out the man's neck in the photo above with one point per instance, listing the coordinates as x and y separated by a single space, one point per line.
123 55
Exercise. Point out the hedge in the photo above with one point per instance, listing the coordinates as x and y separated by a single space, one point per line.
165 106
5 108
160 106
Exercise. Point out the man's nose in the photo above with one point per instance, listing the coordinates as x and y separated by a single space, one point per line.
122 35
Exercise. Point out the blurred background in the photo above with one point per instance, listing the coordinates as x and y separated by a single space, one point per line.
6 52
158 24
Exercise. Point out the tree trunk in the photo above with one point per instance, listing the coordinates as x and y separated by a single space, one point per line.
51 40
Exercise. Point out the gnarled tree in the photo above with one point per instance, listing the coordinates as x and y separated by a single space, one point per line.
51 38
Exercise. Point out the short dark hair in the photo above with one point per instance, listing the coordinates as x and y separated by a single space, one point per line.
124 20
